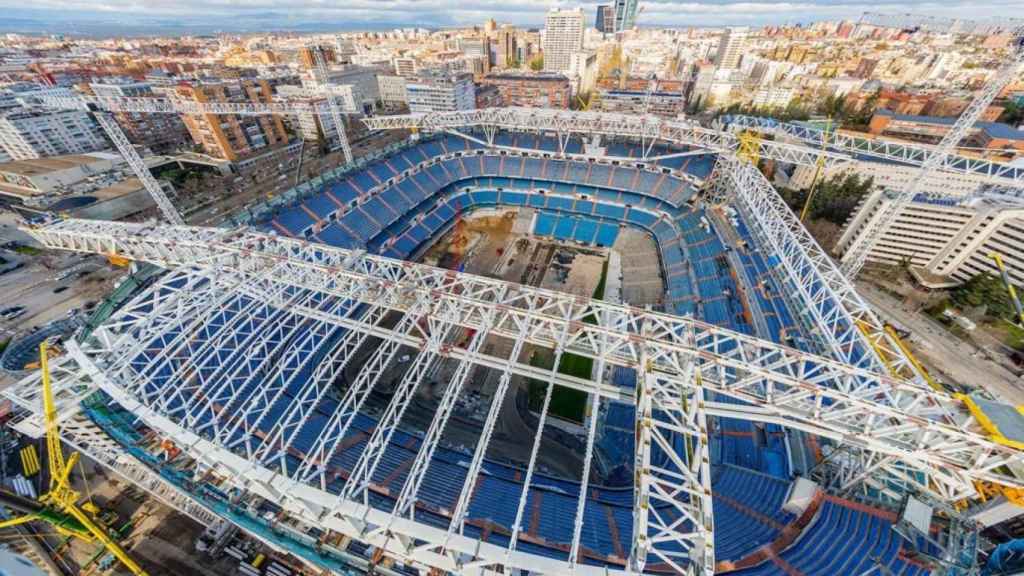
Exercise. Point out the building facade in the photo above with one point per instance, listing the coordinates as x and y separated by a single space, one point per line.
625 14
232 137
26 134
730 48
441 92
563 35
505 47
531 90
605 19
948 240
392 91
664 104
161 133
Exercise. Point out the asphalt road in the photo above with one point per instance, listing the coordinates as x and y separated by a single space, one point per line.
954 359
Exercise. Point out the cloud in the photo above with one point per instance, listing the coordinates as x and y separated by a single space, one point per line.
375 14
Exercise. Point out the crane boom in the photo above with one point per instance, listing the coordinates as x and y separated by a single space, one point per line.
139 167
857 254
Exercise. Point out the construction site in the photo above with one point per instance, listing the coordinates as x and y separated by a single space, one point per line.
519 341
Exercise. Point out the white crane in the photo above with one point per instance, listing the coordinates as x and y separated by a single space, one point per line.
857 254
332 101
104 107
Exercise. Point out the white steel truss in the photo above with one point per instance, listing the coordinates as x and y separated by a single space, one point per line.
649 130
907 429
154 188
332 102
858 145
836 399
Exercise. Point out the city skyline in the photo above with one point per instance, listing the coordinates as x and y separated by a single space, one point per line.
97 17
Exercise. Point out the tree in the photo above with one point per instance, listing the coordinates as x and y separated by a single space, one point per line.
833 106
1013 113
984 290
537 64
834 199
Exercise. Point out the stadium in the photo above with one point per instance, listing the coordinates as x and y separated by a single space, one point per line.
496 347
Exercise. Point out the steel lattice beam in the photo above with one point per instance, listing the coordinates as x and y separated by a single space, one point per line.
648 129
857 145
906 420
170 106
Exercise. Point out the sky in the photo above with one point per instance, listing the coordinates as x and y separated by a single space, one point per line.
126 16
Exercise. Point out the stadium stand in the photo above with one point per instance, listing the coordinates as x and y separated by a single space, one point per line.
398 205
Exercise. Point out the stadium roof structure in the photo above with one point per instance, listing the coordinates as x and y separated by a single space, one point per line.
281 298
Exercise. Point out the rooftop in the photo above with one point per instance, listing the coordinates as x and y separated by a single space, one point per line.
993 129
37 166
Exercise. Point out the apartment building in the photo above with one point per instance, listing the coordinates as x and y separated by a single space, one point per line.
946 240
563 35
441 91
26 134
605 19
161 133
664 104
730 48
931 129
227 136
542 90
504 47
392 90
405 66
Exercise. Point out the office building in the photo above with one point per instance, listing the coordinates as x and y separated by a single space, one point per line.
26 134
441 91
392 90
948 240
563 35
355 86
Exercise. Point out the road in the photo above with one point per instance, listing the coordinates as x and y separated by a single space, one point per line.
956 360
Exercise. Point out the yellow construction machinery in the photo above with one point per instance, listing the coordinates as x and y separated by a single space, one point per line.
820 165
750 146
1009 286
59 506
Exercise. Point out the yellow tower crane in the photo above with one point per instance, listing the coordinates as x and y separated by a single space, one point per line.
59 506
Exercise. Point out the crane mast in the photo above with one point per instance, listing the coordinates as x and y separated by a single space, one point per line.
857 254
332 102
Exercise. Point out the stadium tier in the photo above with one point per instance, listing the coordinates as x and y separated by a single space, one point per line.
398 206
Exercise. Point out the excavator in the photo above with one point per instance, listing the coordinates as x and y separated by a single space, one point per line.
59 505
